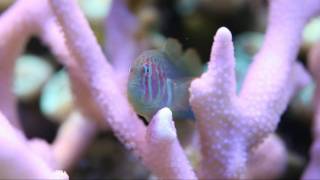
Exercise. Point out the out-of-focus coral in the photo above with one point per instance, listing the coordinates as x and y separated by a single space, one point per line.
30 74
56 101
311 34
119 30
96 11
246 45
21 21
74 136
269 160
20 159
302 103
312 170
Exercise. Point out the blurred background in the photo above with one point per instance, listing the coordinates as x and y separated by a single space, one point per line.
45 98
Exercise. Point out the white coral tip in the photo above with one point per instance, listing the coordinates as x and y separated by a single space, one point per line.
163 126
223 34
61 175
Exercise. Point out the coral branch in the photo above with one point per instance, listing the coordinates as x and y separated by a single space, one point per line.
78 132
52 36
313 8
19 162
262 91
171 163
222 71
269 160
312 170
17 26
121 27
21 21
118 114
231 126
222 148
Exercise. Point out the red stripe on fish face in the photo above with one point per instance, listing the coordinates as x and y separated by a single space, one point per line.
153 81
142 80
154 76
145 80
161 81
162 77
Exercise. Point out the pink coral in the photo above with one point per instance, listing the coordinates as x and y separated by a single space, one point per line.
233 134
119 114
230 125
21 21
17 161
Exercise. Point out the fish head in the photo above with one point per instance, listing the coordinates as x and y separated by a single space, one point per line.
146 85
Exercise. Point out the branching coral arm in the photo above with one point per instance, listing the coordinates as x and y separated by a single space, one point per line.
261 93
21 21
264 97
122 44
312 170
17 160
52 36
313 7
171 162
73 138
83 47
222 149
76 133
17 26
121 27
269 160
231 126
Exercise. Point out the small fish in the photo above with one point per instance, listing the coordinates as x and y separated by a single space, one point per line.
161 78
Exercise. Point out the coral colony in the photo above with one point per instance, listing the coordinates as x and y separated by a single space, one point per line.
233 132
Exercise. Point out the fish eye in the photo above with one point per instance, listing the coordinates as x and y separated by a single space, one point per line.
146 68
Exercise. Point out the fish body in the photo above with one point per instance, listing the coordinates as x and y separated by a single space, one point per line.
161 78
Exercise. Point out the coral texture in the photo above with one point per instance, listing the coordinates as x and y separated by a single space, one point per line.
231 125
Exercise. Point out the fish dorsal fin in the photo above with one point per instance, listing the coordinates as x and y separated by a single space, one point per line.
188 63
191 62
172 48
